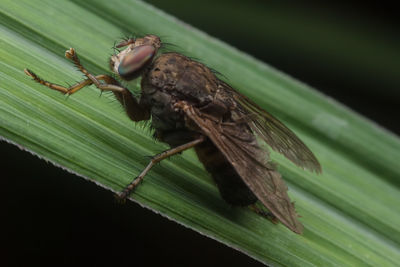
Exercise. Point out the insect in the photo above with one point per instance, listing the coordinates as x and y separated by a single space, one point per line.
190 107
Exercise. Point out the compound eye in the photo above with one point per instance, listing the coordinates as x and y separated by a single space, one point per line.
135 61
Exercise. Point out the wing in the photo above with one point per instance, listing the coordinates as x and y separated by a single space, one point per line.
275 133
239 146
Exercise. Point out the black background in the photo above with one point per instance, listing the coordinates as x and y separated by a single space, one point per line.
55 218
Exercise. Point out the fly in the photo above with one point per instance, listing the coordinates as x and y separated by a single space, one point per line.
190 107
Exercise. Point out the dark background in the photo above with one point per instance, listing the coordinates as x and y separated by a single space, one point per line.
348 51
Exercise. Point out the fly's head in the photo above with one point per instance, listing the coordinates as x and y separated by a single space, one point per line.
137 55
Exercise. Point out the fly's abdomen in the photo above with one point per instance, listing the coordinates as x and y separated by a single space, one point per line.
232 188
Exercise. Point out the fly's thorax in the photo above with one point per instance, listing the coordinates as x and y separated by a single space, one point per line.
183 77
173 77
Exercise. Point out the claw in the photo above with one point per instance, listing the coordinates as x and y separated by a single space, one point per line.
120 198
70 54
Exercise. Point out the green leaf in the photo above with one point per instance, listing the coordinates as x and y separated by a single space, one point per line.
351 212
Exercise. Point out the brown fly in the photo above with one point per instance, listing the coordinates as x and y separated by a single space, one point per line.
190 107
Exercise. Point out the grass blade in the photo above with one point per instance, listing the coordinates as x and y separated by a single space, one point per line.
344 224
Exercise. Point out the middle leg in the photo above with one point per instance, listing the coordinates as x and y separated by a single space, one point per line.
157 158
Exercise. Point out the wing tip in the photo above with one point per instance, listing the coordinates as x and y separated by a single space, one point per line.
294 225
316 168
298 230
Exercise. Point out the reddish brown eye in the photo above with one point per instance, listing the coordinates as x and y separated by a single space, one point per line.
135 61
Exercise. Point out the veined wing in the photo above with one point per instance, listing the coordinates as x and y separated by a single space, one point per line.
238 144
276 134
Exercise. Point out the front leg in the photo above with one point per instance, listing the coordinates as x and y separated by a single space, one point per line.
136 111
71 54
